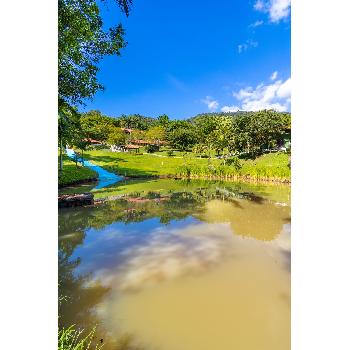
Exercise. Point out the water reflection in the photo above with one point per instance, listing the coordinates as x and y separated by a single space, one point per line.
203 269
166 253
248 218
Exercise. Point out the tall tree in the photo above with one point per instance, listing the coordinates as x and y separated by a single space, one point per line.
155 134
164 121
116 137
68 124
137 121
82 42
182 139
96 126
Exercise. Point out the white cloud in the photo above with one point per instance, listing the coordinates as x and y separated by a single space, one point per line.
230 109
245 46
274 75
259 5
256 24
277 9
284 90
212 104
243 93
265 96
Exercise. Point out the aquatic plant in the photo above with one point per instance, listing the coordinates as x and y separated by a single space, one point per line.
73 339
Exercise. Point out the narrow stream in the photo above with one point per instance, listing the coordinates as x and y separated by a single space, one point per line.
105 178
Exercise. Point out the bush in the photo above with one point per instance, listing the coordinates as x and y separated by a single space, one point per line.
152 148
152 195
234 162
170 153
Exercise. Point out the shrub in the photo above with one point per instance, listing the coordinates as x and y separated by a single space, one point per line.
170 153
152 148
234 162
152 195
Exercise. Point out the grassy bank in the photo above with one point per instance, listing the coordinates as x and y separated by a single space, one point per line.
269 167
72 174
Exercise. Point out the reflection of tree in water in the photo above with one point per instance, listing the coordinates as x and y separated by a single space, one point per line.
81 298
171 206
175 206
249 219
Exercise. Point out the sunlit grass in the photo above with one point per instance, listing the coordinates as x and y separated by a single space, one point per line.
272 166
131 164
73 173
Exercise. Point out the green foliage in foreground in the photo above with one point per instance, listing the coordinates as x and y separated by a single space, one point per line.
73 173
267 167
72 339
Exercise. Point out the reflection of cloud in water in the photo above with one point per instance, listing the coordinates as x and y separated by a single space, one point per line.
132 261
169 254
283 244
283 240
250 219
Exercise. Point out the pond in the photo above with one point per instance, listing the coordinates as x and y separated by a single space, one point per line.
179 265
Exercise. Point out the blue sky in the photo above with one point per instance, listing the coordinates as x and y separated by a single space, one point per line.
188 57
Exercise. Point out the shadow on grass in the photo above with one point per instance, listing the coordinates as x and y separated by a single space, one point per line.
248 156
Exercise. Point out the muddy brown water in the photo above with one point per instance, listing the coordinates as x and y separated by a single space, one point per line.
201 270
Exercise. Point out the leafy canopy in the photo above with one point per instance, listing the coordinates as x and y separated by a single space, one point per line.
155 134
82 42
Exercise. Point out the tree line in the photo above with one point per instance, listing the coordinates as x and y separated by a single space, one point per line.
250 132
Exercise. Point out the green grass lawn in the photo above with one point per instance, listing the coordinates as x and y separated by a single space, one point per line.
142 165
72 174
269 166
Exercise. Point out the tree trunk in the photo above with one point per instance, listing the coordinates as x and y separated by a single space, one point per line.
61 161
82 157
